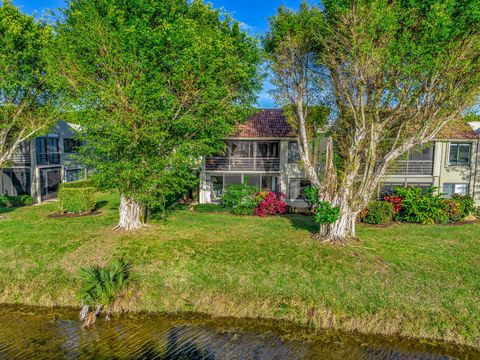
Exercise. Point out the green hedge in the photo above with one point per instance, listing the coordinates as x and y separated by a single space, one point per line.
209 208
78 184
76 200
19 200
379 212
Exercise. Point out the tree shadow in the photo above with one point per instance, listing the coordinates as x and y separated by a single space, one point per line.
302 222
7 210
101 204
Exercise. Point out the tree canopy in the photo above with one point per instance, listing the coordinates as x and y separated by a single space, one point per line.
156 85
397 72
27 95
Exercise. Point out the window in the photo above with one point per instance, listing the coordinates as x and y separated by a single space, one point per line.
24 148
293 152
217 187
15 181
269 183
47 150
422 154
241 149
388 188
459 154
451 189
233 179
296 187
267 150
71 145
252 179
74 175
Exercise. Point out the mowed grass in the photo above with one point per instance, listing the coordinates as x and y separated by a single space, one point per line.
409 280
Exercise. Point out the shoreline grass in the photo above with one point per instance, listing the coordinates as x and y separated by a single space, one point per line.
404 280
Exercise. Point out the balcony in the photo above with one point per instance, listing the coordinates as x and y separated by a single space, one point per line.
411 167
21 159
242 164
48 158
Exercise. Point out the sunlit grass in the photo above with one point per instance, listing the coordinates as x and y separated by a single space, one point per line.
412 280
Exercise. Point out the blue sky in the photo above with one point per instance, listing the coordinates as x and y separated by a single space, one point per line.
253 14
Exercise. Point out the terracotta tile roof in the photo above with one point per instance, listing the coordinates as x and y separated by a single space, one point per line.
266 123
273 124
457 129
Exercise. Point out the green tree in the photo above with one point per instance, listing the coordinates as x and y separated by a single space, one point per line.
397 72
156 85
27 98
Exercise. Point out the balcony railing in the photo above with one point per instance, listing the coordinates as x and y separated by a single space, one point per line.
411 167
21 159
242 164
48 159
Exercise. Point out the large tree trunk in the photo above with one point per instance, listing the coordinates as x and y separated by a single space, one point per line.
131 214
340 231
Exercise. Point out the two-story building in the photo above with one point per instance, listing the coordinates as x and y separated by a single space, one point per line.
42 163
264 153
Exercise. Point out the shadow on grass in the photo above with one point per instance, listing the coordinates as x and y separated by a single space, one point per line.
7 210
101 204
302 222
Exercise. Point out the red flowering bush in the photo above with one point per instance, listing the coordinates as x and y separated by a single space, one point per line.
268 203
396 202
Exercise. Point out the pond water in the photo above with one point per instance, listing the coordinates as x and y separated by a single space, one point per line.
37 333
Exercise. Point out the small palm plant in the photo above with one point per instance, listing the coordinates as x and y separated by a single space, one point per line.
101 288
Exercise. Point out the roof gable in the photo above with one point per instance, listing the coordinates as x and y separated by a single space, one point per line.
266 124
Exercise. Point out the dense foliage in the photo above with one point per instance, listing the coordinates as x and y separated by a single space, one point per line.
268 204
27 93
452 209
379 212
157 84
396 202
466 205
325 213
239 199
419 206
18 200
76 200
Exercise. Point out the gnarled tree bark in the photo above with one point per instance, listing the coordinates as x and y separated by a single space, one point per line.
131 214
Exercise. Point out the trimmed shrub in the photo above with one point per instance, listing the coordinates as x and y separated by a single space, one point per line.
78 184
453 209
19 200
422 207
379 212
76 200
268 203
467 205
239 199
208 208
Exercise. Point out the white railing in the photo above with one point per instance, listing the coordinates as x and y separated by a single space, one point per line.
242 164
411 167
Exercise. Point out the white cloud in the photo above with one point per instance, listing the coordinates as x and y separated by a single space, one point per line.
247 27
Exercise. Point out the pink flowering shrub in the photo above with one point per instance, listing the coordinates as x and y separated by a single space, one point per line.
268 203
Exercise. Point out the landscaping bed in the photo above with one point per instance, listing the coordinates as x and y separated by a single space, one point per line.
410 280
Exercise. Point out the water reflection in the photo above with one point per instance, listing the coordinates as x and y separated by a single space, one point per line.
27 333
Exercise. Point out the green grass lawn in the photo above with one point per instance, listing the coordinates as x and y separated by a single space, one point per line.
420 281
